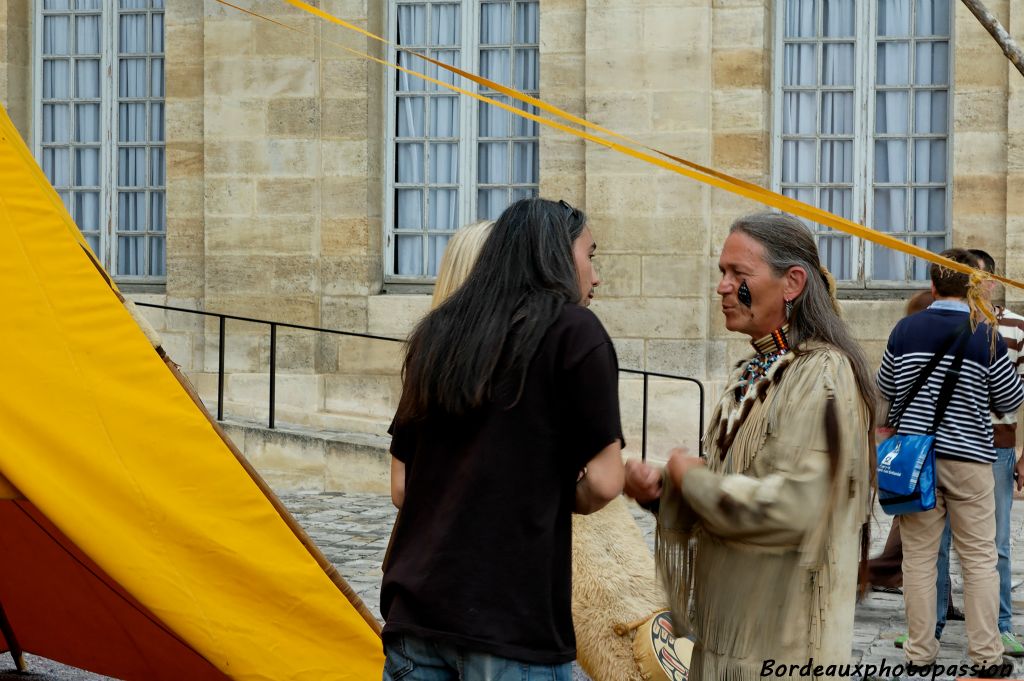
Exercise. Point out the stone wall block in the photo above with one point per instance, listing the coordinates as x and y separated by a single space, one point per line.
293 116
653 317
373 396
287 196
396 315
369 356
674 275
620 275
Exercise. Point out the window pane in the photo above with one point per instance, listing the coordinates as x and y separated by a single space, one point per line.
87 81
932 17
892 65
87 123
157 211
56 166
838 201
446 23
837 115
133 4
88 4
798 113
131 211
836 255
837 162
444 117
131 166
493 121
130 255
837 64
892 113
87 167
798 162
800 19
408 209
132 34
935 244
838 18
156 85
131 122
407 82
156 167
409 163
87 34
408 255
56 4
891 210
132 78
931 64
523 193
437 245
888 264
524 127
56 123
444 163
527 23
496 65
157 38
800 65
894 18
930 114
412 25
56 35
891 161
495 23
443 209
87 211
156 122
490 203
525 163
805 194
929 161
156 256
410 116
492 163
451 57
57 78
94 242
527 70
929 210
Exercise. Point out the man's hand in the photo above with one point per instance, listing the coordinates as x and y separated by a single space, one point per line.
680 463
643 482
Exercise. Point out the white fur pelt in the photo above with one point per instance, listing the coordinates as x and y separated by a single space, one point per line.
613 582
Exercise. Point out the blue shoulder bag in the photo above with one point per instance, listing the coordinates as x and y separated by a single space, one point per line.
906 463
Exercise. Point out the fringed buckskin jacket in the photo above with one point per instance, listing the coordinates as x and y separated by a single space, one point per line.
759 550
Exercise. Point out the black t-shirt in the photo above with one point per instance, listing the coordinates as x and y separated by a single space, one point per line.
480 554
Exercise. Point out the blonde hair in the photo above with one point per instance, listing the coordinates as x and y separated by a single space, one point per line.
458 260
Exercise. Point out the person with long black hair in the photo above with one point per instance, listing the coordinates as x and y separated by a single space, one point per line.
508 422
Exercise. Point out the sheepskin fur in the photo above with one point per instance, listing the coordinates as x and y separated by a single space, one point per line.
613 582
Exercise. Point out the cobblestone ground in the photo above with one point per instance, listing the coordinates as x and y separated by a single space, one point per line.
352 530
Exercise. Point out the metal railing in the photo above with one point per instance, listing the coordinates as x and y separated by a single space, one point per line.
274 326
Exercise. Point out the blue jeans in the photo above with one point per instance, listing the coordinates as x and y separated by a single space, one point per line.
1002 470
411 658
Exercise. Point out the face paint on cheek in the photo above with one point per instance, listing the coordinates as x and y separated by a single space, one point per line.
743 294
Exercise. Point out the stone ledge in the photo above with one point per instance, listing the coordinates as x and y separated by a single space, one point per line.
293 459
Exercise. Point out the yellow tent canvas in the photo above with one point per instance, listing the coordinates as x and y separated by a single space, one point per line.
134 539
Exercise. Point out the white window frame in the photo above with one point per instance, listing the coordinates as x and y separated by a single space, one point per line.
864 89
468 135
109 100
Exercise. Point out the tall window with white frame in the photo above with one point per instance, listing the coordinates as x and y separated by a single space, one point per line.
100 141
863 120
453 160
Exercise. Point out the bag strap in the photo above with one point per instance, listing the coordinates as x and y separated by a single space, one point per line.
895 415
949 382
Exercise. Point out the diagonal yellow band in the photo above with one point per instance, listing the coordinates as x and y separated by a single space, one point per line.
679 165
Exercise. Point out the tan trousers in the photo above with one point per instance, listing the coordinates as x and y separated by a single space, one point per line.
965 491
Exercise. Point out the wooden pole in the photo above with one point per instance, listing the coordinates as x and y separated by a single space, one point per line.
12 642
1001 36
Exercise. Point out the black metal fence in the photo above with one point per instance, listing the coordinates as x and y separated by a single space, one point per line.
274 326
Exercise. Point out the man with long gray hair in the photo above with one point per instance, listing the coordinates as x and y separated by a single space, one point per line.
778 502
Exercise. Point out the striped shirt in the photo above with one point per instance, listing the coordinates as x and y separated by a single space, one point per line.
986 383
1011 328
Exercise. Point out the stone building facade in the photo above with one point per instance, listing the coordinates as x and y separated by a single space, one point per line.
281 182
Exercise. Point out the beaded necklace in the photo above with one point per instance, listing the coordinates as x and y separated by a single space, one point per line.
769 348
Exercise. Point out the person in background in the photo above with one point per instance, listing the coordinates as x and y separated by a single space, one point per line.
508 422
1006 468
964 454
